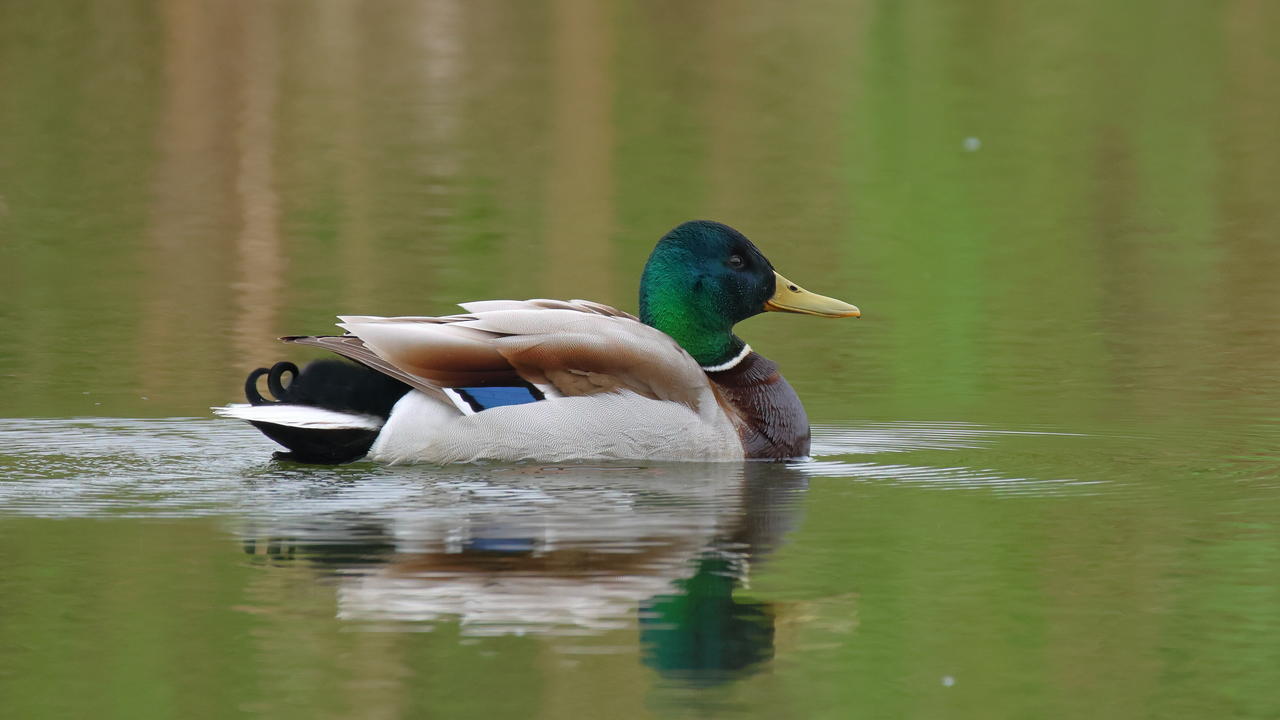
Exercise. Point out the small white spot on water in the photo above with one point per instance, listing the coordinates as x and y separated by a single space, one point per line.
948 681
972 144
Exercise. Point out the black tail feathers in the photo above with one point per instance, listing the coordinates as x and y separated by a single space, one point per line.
333 385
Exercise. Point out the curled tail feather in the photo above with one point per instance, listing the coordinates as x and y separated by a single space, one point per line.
328 413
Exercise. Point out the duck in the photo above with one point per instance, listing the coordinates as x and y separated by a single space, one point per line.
556 380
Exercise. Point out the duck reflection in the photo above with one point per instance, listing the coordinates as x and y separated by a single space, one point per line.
701 633
565 551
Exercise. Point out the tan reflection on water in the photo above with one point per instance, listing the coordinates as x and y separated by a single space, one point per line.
261 262
580 209
333 35
193 195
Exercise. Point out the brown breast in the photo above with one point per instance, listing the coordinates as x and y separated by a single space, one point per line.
770 418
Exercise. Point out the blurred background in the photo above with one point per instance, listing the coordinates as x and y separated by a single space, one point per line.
1011 191
1055 218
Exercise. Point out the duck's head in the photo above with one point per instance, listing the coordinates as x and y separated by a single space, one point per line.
705 277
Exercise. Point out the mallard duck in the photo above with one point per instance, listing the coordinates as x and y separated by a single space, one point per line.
554 380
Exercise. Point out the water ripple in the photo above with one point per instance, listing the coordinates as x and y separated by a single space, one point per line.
830 442
200 466
909 437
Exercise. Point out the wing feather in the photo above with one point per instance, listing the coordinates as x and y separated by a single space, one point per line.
578 347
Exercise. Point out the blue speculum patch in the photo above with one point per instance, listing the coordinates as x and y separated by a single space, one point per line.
485 398
502 545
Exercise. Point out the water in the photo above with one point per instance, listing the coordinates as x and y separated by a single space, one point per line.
1045 468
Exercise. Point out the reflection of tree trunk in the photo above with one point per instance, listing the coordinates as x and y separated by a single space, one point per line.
1243 300
215 219
580 201
190 202
335 34
1249 220
260 260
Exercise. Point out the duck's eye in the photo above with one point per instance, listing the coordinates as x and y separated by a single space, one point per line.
736 262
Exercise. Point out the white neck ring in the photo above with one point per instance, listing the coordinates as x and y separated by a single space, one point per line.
731 363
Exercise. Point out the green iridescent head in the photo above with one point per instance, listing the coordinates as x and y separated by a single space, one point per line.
704 277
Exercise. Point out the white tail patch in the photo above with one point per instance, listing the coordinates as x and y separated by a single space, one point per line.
454 397
300 416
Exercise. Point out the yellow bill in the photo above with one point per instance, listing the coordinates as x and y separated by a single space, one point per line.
790 297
